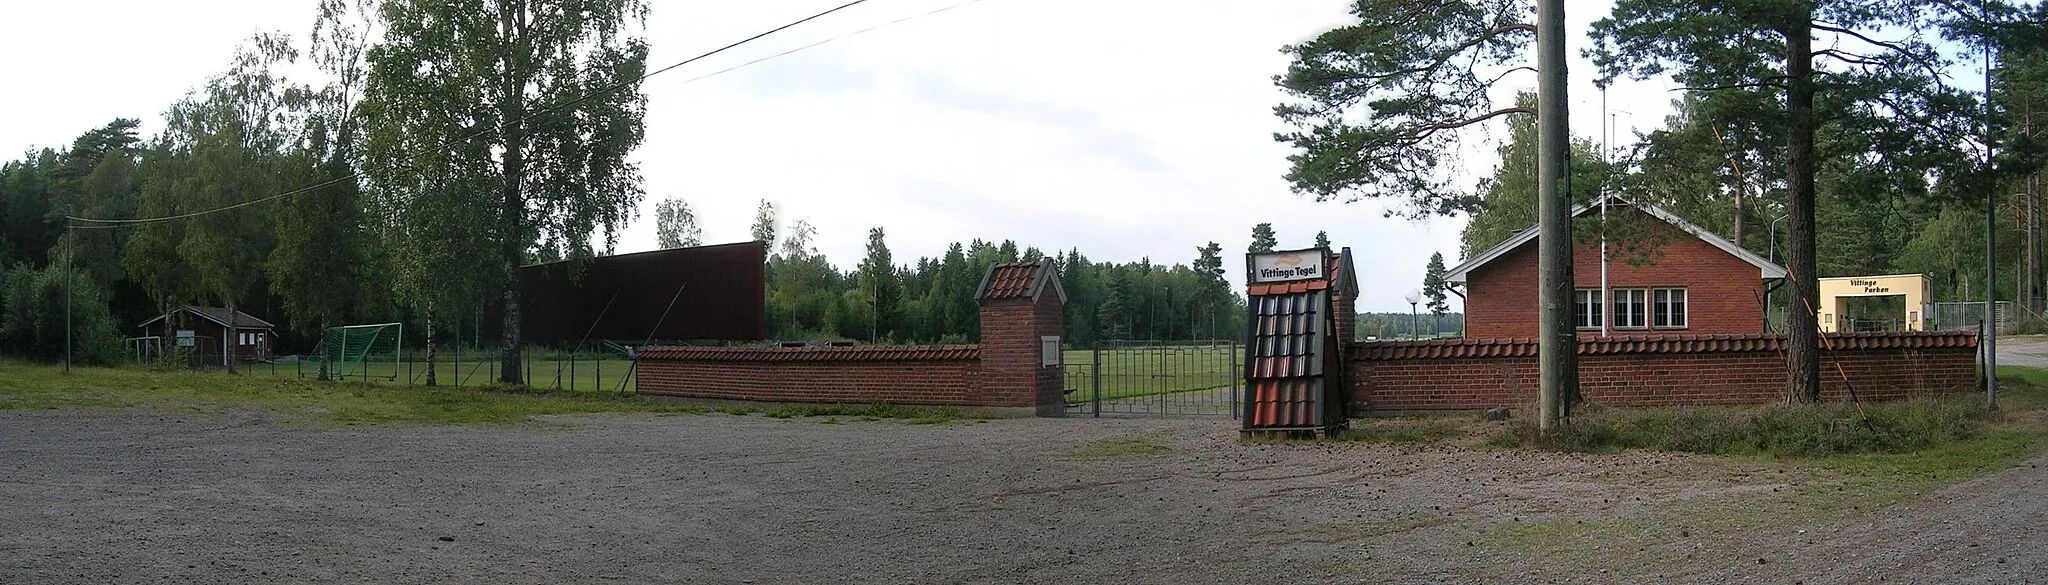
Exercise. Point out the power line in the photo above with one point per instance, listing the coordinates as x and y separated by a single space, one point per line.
854 33
107 223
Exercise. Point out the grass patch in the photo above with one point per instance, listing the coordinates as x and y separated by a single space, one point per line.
1427 430
1798 431
1141 446
1996 449
31 386
1816 487
868 412
1817 468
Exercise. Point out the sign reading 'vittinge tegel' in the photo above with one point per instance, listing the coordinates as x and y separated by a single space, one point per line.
1287 266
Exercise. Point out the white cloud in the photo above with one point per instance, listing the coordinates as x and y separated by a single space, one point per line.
1130 129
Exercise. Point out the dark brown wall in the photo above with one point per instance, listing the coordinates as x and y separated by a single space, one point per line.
717 292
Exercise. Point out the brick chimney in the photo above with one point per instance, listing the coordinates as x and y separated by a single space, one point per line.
1344 298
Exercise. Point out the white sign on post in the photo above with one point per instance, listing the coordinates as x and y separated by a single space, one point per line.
1287 266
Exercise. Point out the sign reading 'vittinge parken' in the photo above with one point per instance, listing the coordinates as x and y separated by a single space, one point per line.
1287 266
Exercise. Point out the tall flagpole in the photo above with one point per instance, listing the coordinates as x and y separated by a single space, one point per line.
1606 292
1990 247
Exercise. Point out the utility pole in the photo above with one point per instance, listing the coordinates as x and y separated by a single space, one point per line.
1558 345
69 251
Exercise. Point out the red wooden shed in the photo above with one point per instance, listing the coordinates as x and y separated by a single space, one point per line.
205 331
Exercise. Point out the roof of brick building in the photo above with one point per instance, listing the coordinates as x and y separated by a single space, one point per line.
1766 269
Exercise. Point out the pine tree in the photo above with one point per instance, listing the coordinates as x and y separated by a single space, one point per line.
1263 239
882 287
1114 314
1433 289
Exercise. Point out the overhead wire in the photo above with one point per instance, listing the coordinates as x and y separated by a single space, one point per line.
828 40
103 223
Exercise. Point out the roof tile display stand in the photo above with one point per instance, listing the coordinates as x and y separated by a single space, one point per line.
1292 366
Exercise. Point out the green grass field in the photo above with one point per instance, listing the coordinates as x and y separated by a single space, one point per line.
1126 372
1146 371
35 386
545 371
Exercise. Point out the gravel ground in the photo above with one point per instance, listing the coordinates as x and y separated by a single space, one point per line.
2023 350
143 497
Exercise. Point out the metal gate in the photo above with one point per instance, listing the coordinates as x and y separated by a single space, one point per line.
1155 378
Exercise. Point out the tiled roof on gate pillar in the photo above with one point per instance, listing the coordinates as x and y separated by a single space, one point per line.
1021 280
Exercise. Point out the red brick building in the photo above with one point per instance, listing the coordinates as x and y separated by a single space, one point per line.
1666 275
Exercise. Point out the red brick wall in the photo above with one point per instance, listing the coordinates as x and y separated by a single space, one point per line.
1724 293
1653 370
876 381
1001 372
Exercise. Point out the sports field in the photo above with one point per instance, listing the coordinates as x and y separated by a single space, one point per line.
1127 372
544 370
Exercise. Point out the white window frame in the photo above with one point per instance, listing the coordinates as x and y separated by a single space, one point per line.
1049 351
1589 298
1656 313
1642 317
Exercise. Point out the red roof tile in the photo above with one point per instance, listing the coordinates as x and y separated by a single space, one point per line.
1655 343
814 354
1011 281
1285 403
1288 288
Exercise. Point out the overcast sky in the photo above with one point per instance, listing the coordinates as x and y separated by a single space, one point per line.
1126 128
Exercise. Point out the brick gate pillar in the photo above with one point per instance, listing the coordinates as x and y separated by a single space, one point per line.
1344 299
1022 315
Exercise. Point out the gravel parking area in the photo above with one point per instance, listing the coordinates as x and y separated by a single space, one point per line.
2023 350
144 497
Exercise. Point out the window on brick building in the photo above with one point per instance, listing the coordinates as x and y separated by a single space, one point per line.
1667 308
1630 308
1586 308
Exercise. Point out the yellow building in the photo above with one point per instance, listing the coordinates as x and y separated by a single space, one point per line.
1834 293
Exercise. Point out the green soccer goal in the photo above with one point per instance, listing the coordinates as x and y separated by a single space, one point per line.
361 351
